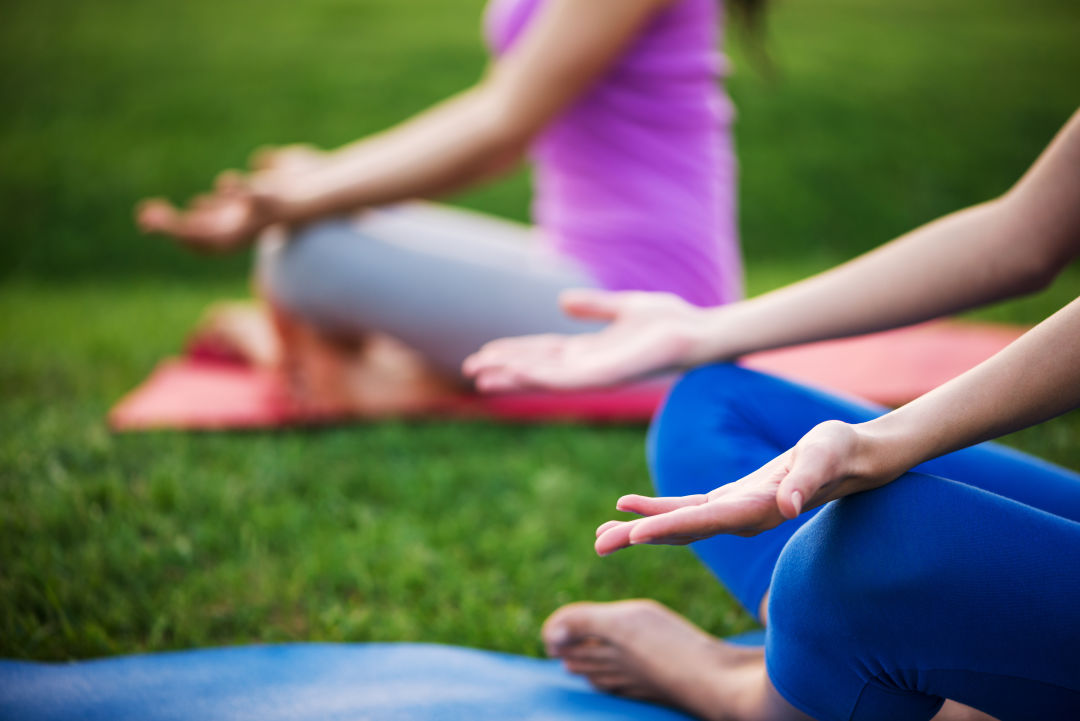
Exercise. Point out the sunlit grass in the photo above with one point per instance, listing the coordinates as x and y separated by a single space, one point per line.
882 115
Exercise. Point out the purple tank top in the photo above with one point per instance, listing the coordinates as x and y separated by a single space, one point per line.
636 180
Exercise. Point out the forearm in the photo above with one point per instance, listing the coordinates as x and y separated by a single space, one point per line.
961 261
1033 379
566 48
451 146
1009 246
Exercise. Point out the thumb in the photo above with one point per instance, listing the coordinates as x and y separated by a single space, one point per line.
811 468
229 181
588 304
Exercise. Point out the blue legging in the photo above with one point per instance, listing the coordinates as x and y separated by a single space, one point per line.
959 580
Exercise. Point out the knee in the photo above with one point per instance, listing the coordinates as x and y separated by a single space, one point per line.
815 582
841 586
294 270
860 552
687 437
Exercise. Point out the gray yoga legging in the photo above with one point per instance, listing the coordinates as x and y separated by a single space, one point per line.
441 280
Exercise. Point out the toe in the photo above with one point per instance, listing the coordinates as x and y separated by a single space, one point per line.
586 667
568 626
592 649
610 682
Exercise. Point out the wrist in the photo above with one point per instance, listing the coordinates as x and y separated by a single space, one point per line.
287 202
886 449
707 336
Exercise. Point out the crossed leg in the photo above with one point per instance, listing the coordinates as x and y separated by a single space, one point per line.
720 423
382 309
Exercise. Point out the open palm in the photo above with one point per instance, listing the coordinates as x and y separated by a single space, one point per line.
211 223
646 332
239 207
818 469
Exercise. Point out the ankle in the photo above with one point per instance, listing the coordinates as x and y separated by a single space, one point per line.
748 693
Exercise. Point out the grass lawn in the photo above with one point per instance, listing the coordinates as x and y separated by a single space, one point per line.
882 115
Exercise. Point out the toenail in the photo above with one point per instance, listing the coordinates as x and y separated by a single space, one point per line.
559 636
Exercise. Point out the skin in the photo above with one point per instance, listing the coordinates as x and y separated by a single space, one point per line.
471 137
1009 246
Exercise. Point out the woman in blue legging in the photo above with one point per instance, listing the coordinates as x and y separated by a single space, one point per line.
901 570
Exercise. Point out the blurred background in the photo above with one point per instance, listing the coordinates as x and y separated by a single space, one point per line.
879 115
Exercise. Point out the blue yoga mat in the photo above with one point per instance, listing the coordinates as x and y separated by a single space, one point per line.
314 682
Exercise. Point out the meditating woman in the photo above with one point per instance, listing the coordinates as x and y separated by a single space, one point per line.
618 104
898 576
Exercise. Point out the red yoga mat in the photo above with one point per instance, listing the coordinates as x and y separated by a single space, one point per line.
890 368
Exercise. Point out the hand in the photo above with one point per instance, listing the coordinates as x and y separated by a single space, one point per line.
830 461
224 220
239 207
647 332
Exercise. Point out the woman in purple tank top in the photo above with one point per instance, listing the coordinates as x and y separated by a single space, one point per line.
616 102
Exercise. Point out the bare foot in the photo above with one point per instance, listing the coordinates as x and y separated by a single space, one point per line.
366 376
644 650
359 376
238 330
386 377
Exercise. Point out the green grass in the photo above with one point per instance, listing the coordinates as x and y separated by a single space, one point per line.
460 533
882 115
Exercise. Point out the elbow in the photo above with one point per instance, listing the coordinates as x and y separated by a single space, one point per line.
1033 269
1032 254
1036 276
504 123
505 134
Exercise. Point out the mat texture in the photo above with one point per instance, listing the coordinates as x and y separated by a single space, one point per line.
313 682
890 368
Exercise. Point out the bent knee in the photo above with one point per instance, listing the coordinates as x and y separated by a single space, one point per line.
302 273
864 549
843 592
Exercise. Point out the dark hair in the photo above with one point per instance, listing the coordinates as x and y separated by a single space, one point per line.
749 18
750 13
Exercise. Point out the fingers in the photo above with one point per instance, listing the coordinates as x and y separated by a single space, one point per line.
205 201
505 351
588 304
605 526
556 376
518 364
613 536
229 182
648 506
675 530
211 224
499 380
156 215
689 524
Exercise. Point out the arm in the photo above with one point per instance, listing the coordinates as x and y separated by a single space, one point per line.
463 140
1010 246
1035 378
481 131
1006 247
